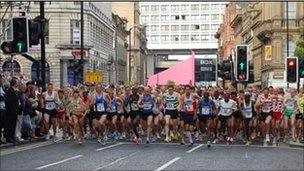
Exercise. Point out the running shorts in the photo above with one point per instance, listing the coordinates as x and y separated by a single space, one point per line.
172 113
188 119
277 116
263 116
51 113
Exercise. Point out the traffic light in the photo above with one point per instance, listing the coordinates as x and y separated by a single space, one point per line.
225 69
292 69
242 64
301 68
34 32
20 43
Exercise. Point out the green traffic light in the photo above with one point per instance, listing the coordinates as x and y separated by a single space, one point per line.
242 66
302 73
20 46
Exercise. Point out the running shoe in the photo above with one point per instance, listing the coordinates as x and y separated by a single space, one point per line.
215 141
191 144
167 140
208 144
248 143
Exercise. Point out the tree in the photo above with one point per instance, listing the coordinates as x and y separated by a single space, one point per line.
299 51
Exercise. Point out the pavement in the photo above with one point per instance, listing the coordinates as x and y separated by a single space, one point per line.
155 156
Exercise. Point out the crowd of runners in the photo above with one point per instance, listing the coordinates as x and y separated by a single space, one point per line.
169 113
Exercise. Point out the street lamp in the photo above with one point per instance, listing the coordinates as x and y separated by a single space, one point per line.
129 32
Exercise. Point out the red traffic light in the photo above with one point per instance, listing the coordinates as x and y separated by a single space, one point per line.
291 63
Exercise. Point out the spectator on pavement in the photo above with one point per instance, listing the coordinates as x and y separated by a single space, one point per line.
2 108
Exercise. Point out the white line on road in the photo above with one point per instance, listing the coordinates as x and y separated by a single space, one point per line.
167 164
117 160
61 161
111 146
246 155
193 149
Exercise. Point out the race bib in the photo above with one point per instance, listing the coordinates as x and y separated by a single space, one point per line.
134 106
50 106
290 106
189 108
205 111
147 106
100 107
248 113
266 108
226 111
170 106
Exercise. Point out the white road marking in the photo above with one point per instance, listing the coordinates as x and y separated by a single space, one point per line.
110 146
23 148
117 160
246 155
61 161
167 164
193 149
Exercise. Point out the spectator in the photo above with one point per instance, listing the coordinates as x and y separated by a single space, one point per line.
12 103
2 108
22 89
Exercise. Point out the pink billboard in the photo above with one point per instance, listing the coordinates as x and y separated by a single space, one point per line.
181 74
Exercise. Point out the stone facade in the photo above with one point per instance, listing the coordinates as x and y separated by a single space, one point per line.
62 18
264 23
136 40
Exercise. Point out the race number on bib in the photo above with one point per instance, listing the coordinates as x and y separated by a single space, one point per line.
266 109
189 108
205 111
50 106
170 106
100 107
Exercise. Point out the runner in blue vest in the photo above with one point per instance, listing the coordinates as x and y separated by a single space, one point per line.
206 110
146 103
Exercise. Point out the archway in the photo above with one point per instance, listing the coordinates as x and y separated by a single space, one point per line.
35 71
11 66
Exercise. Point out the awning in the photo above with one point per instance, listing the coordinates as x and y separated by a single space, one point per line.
181 73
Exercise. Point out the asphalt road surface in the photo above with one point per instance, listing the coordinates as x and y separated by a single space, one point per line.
155 156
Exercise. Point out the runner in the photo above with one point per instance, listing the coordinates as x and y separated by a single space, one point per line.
76 110
157 113
146 103
226 107
50 100
188 113
112 102
247 108
206 110
264 108
277 109
126 122
171 102
135 114
300 117
98 108
216 99
290 110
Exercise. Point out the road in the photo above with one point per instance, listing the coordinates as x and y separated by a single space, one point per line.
157 156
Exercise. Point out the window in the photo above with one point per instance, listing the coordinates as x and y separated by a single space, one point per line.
154 8
144 8
165 28
185 38
75 32
174 8
177 17
194 38
195 27
194 17
292 47
185 28
195 7
6 29
215 17
174 28
165 38
154 39
215 7
77 2
214 26
183 17
165 18
212 38
184 7
205 17
205 37
205 7
154 28
154 18
144 18
174 38
291 10
164 8
205 27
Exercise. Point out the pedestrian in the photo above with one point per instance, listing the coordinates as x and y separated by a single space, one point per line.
21 94
2 108
12 103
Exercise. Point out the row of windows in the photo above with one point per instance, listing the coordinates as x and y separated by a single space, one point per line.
176 18
185 7
195 27
181 38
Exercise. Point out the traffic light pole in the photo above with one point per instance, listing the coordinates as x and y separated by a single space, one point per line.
81 40
42 44
287 34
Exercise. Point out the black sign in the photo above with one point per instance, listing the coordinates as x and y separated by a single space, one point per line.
205 70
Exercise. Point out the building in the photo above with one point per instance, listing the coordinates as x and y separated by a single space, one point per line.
63 40
225 33
120 50
137 41
174 29
265 23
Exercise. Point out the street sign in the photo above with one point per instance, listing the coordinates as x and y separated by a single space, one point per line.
77 53
268 52
76 35
93 77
